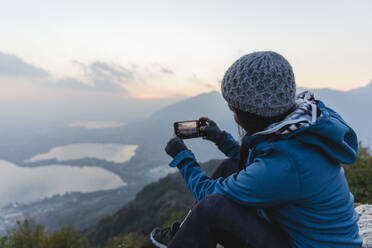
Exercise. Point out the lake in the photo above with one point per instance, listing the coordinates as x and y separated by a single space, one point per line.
117 153
96 124
22 184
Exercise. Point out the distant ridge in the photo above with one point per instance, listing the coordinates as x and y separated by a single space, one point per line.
363 90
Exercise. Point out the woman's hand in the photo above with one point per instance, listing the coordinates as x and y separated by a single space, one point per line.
175 145
211 131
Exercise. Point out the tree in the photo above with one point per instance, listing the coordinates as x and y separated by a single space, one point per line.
67 238
28 234
359 176
129 240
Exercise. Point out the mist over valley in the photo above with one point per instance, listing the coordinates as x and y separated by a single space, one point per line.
91 156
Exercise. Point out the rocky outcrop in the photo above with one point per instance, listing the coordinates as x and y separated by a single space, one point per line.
365 224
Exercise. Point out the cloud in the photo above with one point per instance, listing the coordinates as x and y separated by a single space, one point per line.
195 79
107 76
96 76
13 66
166 70
72 83
113 77
159 68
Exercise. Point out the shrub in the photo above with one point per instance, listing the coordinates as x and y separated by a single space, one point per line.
28 234
359 176
129 240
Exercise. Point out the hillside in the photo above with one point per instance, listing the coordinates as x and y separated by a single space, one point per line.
351 105
152 207
81 210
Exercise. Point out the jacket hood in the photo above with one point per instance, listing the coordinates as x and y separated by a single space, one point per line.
315 124
332 135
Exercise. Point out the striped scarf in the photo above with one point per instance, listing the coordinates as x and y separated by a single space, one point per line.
304 115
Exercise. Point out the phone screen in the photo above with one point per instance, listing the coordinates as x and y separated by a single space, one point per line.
187 129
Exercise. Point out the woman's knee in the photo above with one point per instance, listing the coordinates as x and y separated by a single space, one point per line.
209 206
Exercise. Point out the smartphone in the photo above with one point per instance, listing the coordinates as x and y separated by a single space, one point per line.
188 129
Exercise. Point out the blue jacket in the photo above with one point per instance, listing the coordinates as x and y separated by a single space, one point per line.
298 179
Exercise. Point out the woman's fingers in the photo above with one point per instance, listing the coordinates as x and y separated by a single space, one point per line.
204 119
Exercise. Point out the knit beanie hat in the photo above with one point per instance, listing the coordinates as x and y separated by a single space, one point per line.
260 83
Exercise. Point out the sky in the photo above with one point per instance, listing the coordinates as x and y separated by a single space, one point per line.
167 48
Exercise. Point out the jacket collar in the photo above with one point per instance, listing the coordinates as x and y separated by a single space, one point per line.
251 141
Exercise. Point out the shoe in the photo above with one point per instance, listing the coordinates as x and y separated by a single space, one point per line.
161 237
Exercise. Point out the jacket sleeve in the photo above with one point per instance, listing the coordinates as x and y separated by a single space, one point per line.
229 146
270 180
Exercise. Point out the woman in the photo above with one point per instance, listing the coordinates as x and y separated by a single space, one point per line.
284 186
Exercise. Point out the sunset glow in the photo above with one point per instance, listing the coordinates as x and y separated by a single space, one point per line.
163 49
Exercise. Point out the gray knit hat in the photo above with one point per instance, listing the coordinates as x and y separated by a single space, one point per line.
260 83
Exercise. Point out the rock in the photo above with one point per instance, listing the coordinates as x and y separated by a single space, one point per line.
365 224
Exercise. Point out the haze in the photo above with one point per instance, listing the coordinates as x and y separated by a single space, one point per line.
162 49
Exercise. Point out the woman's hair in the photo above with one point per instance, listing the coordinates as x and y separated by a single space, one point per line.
252 123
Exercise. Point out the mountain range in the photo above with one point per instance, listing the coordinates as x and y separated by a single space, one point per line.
151 135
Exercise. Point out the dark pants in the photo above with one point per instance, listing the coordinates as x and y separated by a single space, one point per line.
216 219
